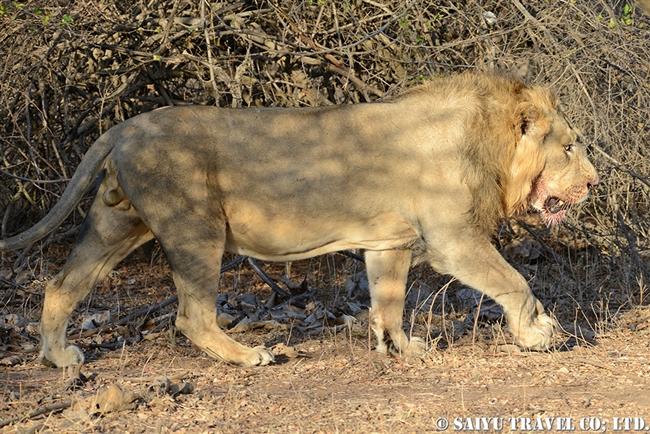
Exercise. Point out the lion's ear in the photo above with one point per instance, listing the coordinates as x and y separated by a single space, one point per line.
530 122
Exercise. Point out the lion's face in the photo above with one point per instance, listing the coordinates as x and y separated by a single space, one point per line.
567 175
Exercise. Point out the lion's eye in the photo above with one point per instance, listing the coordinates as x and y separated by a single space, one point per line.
568 148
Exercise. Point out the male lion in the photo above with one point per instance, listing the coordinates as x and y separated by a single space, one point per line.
427 175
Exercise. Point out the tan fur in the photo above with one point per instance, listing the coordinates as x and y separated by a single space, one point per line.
427 174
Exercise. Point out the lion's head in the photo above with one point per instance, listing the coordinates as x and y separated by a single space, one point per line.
549 171
520 153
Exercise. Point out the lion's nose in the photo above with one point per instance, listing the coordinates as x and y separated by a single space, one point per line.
592 184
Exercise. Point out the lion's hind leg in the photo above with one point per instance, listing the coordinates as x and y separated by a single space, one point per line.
109 233
387 274
195 258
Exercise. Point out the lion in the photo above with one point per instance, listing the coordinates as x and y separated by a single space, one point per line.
423 177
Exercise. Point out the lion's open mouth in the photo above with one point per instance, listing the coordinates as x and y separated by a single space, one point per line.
554 210
554 205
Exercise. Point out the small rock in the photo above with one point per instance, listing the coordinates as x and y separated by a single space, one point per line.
10 361
224 320
111 400
509 349
580 332
489 17
15 320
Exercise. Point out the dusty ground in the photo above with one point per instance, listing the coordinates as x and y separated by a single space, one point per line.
325 380
338 386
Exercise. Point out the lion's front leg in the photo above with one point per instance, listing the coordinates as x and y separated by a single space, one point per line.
387 274
476 263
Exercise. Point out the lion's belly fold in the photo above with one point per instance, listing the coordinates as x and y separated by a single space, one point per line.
284 239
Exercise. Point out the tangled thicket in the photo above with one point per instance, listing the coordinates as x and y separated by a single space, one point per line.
69 70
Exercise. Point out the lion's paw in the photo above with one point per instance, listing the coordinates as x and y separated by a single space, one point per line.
69 356
416 348
256 356
538 335
265 355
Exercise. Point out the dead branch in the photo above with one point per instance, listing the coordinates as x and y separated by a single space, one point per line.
43 410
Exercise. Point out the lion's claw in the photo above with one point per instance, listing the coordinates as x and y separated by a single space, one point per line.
70 356
265 355
416 348
539 335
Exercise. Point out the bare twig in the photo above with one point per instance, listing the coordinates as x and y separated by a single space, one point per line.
208 44
46 409
34 181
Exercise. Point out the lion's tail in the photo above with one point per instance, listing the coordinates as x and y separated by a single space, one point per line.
83 177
